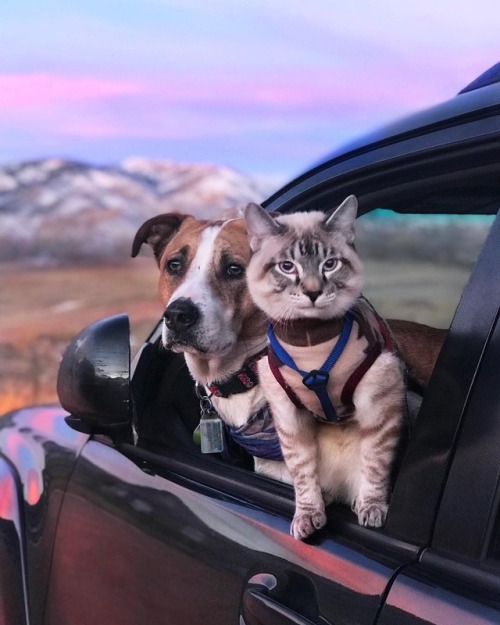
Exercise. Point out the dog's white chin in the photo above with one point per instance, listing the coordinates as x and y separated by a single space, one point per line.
206 348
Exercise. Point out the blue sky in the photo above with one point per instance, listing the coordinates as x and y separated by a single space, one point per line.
264 87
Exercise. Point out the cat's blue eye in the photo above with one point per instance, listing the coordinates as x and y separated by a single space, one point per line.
286 266
330 264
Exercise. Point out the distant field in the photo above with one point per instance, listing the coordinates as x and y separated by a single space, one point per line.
41 309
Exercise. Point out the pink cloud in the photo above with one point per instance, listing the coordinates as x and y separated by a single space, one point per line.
316 90
220 104
46 90
322 88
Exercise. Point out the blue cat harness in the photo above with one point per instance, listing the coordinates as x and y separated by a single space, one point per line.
317 379
258 435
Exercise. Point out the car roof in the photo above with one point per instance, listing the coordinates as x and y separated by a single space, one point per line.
462 133
472 99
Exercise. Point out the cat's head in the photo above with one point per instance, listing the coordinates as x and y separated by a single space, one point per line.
304 264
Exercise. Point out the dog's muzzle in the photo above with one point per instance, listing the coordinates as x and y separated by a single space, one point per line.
181 315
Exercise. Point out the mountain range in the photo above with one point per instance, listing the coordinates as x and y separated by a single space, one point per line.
61 211
56 210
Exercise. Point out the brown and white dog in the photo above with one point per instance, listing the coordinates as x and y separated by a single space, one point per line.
210 317
208 312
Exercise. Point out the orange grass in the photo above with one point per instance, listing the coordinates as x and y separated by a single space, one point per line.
41 309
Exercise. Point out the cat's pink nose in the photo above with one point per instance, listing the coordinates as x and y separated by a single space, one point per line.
313 295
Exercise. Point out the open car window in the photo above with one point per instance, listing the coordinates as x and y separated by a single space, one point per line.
416 266
424 288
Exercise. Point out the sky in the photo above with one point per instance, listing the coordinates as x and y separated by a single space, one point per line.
267 87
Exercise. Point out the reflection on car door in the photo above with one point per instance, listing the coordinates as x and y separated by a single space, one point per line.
414 601
133 548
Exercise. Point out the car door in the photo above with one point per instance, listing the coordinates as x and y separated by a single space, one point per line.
147 537
155 532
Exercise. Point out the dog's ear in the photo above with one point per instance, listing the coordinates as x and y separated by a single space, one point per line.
260 225
157 231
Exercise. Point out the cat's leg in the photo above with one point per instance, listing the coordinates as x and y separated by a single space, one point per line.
379 412
297 434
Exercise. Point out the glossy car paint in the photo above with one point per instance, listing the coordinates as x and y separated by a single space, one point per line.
43 450
12 589
162 552
415 599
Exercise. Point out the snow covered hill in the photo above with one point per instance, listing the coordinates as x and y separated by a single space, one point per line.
58 210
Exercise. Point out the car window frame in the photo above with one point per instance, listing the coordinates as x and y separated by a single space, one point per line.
474 474
415 501
425 468
385 172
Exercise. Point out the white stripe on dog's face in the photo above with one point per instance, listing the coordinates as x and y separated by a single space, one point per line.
196 282
196 287
206 258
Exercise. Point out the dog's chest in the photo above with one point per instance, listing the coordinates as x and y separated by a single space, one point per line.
236 409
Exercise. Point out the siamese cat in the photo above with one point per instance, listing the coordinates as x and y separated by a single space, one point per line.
332 364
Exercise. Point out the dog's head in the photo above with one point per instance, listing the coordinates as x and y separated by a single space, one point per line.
202 283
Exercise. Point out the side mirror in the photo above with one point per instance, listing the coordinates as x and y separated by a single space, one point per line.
93 383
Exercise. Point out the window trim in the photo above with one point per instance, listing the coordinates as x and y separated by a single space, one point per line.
422 478
473 480
214 478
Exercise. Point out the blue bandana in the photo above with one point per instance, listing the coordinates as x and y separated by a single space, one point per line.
258 435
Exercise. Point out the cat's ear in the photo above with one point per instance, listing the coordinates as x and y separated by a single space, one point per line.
260 225
342 218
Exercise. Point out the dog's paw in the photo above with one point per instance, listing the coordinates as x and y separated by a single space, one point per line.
305 522
371 514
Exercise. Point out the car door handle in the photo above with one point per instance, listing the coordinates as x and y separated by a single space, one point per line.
260 607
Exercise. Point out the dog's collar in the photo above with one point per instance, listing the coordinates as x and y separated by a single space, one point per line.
240 382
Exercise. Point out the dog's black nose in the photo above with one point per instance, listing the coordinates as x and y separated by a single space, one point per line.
181 314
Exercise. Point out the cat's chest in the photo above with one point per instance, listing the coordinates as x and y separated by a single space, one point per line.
312 357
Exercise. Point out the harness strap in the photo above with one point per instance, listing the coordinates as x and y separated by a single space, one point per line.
317 379
357 375
274 365
354 379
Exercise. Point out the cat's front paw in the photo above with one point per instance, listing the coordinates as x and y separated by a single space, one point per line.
371 514
305 522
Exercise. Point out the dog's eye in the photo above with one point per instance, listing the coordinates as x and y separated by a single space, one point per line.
286 266
330 264
234 270
173 266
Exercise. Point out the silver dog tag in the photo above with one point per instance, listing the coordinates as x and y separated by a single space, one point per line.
209 433
212 439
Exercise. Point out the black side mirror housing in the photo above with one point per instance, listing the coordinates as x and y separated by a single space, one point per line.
93 383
